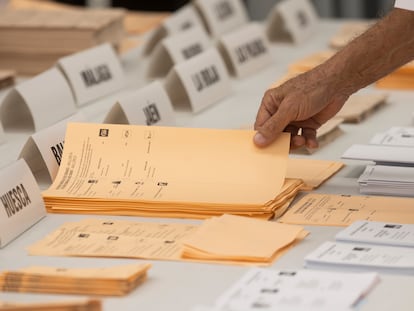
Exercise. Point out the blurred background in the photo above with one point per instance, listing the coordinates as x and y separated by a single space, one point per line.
258 9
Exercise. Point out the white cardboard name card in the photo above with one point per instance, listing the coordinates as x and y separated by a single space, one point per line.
199 82
149 105
183 19
222 16
93 73
245 50
291 21
38 103
21 201
176 49
43 150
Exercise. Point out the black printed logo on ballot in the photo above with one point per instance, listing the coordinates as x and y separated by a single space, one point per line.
223 10
152 114
250 50
57 151
205 78
103 132
96 75
15 200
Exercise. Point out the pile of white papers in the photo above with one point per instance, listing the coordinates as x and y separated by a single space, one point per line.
295 290
365 245
387 180
393 153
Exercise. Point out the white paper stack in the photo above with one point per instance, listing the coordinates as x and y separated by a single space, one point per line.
268 289
376 232
393 153
367 246
362 257
387 180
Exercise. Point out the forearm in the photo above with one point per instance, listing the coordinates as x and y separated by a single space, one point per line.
386 46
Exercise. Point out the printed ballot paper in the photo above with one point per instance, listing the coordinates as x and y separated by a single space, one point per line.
376 232
342 210
105 281
169 172
294 290
362 257
226 239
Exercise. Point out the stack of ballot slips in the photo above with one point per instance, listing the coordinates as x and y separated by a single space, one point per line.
108 281
83 305
170 172
227 239
33 40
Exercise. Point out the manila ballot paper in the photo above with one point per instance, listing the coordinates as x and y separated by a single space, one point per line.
77 305
169 172
312 172
343 210
216 240
104 281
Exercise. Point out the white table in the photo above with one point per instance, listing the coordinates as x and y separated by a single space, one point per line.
178 286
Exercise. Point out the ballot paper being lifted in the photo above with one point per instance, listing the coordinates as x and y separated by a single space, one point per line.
169 172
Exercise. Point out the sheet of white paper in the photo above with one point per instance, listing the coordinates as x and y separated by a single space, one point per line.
363 257
384 233
395 136
268 289
381 154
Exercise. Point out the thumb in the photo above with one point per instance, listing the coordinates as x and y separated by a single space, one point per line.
270 130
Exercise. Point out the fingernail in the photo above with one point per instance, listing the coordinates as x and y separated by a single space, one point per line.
259 139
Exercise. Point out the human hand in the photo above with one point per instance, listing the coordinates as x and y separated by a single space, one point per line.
299 106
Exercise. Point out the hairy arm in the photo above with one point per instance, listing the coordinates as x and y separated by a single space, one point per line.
386 46
301 105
